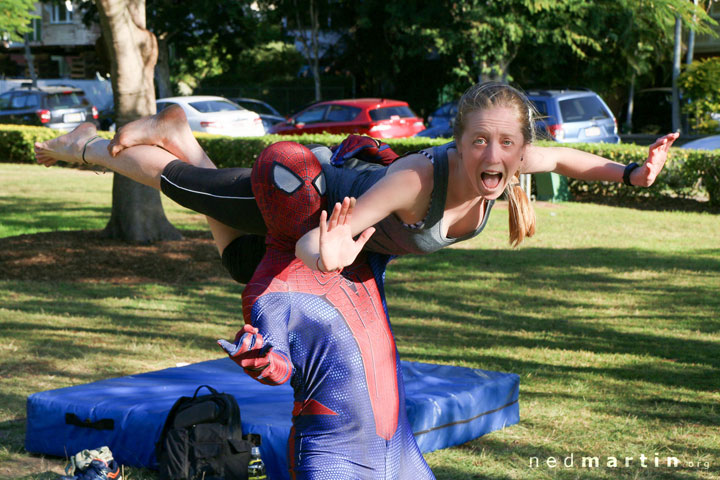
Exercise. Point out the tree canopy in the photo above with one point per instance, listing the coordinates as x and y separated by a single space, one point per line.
15 17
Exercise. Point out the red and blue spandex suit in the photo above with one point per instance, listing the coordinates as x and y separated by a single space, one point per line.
328 334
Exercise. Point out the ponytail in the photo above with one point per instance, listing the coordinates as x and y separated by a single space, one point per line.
520 213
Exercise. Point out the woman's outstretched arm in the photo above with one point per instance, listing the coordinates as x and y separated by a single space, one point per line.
587 166
331 248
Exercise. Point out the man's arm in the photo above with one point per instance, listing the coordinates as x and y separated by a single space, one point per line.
262 348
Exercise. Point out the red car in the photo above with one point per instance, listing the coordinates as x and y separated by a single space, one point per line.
376 117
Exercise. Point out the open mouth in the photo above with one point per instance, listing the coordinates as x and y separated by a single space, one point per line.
491 180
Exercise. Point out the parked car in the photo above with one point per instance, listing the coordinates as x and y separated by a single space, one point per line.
58 107
706 143
444 116
377 117
440 131
269 115
441 122
652 111
571 116
216 115
106 119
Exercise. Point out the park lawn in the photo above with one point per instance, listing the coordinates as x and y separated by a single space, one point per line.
609 315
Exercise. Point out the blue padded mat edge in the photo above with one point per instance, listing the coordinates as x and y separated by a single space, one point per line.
446 406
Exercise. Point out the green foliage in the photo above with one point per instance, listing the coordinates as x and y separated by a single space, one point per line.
17 141
686 173
199 62
536 43
703 165
15 17
701 86
635 39
273 60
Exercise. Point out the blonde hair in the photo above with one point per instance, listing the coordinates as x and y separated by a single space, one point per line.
493 94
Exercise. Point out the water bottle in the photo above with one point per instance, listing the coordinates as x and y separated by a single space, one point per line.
256 467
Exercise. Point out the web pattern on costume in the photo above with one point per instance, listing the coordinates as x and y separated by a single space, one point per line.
290 214
349 419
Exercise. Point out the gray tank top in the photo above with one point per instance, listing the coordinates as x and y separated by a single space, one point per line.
392 236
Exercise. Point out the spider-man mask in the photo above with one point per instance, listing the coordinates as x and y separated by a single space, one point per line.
289 187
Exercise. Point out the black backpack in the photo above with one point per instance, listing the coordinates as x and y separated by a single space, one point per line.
202 439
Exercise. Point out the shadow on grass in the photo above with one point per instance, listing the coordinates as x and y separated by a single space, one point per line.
27 214
88 300
136 319
498 299
486 297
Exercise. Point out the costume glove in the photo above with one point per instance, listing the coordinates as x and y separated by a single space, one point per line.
256 357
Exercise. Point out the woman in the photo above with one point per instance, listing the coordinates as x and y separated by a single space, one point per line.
420 203
428 200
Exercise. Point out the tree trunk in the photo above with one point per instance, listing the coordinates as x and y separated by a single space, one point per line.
30 61
162 69
315 43
631 105
691 39
137 214
675 73
311 48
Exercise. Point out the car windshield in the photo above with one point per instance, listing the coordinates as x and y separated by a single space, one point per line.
4 101
311 115
209 106
65 99
541 107
341 113
582 109
387 112
257 107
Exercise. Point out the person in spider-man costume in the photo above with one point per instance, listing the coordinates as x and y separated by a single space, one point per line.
326 333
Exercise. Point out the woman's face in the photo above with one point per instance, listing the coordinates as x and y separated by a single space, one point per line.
491 149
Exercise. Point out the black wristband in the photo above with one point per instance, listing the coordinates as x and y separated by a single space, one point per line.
626 174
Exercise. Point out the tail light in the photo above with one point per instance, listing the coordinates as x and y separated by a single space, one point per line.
44 115
94 112
615 130
556 131
210 125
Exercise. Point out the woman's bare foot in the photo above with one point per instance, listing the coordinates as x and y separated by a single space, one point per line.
67 148
168 129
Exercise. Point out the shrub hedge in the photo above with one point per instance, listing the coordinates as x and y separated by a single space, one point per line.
687 173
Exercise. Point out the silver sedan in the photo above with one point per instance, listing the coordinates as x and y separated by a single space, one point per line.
216 115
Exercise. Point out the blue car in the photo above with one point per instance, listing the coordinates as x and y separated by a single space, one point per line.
573 116
440 122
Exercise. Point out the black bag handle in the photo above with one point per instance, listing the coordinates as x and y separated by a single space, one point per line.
102 424
212 390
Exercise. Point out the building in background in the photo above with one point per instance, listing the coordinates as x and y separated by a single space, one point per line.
705 45
61 45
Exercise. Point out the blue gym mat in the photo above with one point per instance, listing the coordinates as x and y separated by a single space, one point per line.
446 406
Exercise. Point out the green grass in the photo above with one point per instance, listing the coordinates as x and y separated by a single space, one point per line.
611 317
35 199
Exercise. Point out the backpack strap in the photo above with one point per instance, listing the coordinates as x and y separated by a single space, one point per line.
212 390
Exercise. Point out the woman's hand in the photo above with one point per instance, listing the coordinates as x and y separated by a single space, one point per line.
645 175
338 249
